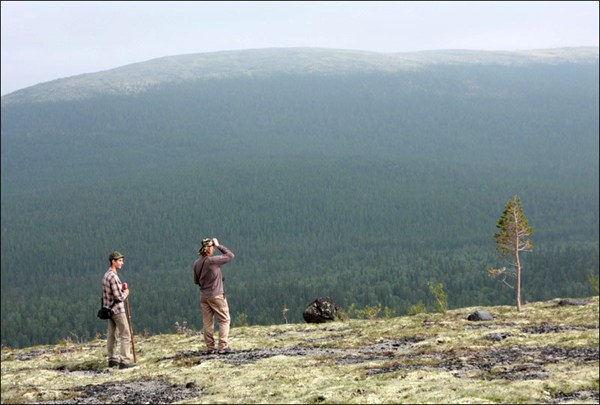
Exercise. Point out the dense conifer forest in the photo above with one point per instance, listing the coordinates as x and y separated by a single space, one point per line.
359 185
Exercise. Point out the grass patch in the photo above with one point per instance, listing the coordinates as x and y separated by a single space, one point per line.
546 353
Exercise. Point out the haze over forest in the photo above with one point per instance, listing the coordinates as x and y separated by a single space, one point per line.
355 175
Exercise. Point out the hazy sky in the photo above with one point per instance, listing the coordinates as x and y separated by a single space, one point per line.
43 41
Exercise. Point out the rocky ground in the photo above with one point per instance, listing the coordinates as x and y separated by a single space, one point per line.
547 355
508 364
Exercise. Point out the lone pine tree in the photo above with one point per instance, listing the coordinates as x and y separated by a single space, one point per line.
511 239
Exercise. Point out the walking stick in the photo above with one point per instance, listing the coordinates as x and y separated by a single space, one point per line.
130 328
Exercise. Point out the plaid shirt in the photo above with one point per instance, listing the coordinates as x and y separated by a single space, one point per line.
113 292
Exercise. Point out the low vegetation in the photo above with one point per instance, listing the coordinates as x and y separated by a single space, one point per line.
546 353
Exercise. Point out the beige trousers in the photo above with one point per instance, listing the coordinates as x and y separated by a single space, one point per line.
118 332
210 307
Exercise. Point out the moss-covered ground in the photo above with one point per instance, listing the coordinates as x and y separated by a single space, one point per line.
547 353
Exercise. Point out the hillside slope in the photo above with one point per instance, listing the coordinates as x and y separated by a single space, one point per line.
357 175
548 353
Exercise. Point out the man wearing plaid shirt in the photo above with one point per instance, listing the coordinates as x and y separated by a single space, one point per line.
114 294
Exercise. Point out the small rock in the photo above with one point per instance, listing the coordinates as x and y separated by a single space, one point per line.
480 315
498 336
562 303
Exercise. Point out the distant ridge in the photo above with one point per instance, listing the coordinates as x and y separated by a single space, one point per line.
139 77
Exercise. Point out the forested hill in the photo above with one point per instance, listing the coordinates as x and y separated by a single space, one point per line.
183 69
357 175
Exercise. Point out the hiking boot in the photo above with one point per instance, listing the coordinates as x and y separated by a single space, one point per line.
225 351
113 363
126 365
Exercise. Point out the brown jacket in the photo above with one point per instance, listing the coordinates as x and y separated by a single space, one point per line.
207 272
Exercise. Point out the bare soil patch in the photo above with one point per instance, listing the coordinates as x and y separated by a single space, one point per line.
132 392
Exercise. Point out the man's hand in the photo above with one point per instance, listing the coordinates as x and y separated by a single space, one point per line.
124 286
216 242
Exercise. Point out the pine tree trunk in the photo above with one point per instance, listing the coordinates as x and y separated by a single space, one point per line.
518 279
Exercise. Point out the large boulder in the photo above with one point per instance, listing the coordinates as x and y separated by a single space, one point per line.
321 310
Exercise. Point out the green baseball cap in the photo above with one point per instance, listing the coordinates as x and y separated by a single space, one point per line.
115 256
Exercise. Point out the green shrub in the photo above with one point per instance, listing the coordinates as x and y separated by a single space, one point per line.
418 308
439 293
593 279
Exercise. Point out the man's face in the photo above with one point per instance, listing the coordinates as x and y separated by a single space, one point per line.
118 263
